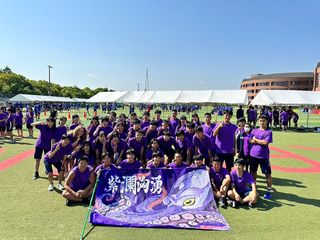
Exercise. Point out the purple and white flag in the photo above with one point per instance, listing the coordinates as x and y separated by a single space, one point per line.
162 198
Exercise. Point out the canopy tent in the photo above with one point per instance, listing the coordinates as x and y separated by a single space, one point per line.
28 98
106 97
286 98
80 100
172 97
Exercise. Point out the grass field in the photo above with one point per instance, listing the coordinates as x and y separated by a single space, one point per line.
29 211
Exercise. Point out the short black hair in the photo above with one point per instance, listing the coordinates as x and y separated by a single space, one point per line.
263 116
240 161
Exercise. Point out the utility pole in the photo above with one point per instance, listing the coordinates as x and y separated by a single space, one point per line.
138 86
49 91
146 84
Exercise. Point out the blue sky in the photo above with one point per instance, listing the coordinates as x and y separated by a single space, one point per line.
185 45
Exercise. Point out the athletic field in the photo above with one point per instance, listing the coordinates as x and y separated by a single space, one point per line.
29 211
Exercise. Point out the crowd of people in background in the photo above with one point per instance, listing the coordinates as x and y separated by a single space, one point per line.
114 141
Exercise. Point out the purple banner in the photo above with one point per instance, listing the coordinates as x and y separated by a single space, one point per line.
162 198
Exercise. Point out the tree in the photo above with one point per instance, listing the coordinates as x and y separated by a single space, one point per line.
6 70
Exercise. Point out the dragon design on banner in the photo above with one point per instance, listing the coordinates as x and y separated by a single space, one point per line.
166 198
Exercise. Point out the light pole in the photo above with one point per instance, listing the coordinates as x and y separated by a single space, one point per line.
49 92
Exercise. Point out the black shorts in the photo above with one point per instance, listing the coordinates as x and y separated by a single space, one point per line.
19 126
9 126
2 129
38 152
284 123
48 166
228 158
264 165
29 126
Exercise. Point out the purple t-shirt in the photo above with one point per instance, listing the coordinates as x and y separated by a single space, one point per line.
126 165
208 129
152 166
218 176
159 122
101 166
45 136
203 145
10 118
91 129
150 152
60 130
18 118
257 150
122 145
252 115
193 165
81 180
284 116
174 123
145 124
173 165
167 145
3 116
108 129
225 138
184 146
180 128
189 136
59 155
74 125
241 184
133 143
151 134
29 117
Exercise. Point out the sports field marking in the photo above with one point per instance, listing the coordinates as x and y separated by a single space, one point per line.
306 148
314 165
15 159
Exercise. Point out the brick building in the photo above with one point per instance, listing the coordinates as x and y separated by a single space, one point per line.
279 81
316 83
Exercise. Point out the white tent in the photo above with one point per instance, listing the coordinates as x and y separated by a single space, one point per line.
29 98
107 97
286 98
80 100
199 97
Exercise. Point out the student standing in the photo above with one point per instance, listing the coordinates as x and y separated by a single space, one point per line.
225 139
260 153
43 143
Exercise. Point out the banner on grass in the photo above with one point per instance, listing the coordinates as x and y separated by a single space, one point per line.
165 198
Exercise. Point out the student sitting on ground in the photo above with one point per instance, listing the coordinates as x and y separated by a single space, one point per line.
79 183
220 180
130 163
106 163
178 162
243 187
157 161
198 162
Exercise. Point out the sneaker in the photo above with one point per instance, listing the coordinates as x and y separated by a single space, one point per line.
250 204
60 187
222 203
267 195
51 187
68 202
35 176
232 203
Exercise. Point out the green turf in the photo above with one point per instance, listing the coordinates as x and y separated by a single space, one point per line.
29 211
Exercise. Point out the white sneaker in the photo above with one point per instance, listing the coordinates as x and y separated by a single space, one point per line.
60 187
51 187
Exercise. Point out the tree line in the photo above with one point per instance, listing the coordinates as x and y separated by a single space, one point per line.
12 84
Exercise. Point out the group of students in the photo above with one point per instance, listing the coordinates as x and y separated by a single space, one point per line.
78 152
276 118
11 118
